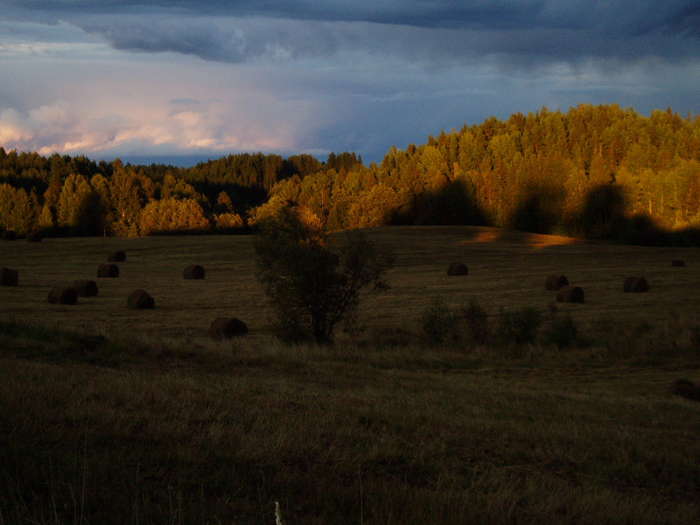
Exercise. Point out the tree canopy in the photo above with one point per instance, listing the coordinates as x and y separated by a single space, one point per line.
545 172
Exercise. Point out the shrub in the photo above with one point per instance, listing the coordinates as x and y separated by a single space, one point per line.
311 286
519 326
438 323
391 337
562 332
477 322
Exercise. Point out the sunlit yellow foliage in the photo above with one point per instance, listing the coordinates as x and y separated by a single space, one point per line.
172 215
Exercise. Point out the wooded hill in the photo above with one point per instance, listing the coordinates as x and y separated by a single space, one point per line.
595 171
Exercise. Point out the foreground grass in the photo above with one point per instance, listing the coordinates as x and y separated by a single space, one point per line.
98 430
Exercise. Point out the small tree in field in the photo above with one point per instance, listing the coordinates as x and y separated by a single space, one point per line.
311 286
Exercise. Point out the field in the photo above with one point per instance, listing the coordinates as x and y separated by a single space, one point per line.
506 271
110 415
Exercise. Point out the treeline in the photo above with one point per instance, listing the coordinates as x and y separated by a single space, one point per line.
63 195
595 171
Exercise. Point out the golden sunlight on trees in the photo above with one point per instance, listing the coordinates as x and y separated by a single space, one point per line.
172 215
16 211
228 221
539 171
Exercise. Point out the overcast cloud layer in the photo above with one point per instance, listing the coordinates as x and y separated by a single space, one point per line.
205 78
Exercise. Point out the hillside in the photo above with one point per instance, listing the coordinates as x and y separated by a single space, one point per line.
593 171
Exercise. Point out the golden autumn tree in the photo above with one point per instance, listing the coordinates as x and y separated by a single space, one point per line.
172 216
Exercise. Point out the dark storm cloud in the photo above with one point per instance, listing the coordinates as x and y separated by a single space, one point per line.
555 29
324 74
629 16
242 39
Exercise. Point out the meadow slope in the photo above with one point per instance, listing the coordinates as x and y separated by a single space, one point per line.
110 416
507 270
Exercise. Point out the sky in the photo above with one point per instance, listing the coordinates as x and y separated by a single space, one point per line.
186 80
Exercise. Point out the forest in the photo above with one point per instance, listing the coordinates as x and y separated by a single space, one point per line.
593 171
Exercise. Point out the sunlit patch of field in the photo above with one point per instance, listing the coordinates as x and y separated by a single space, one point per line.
485 234
506 270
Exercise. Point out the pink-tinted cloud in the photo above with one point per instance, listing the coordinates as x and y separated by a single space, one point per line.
154 107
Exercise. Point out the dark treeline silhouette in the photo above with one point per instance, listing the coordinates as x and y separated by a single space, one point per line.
594 171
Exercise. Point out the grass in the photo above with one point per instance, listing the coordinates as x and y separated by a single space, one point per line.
113 417
506 272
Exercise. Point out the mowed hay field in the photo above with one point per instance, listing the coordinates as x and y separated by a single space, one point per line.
155 424
506 270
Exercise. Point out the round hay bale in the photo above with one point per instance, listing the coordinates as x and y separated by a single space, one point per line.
35 237
85 288
636 285
9 235
570 294
9 277
686 389
140 300
193 271
118 256
457 269
108 270
226 328
677 262
63 295
556 282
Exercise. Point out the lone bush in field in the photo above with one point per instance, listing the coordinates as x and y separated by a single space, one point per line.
311 286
